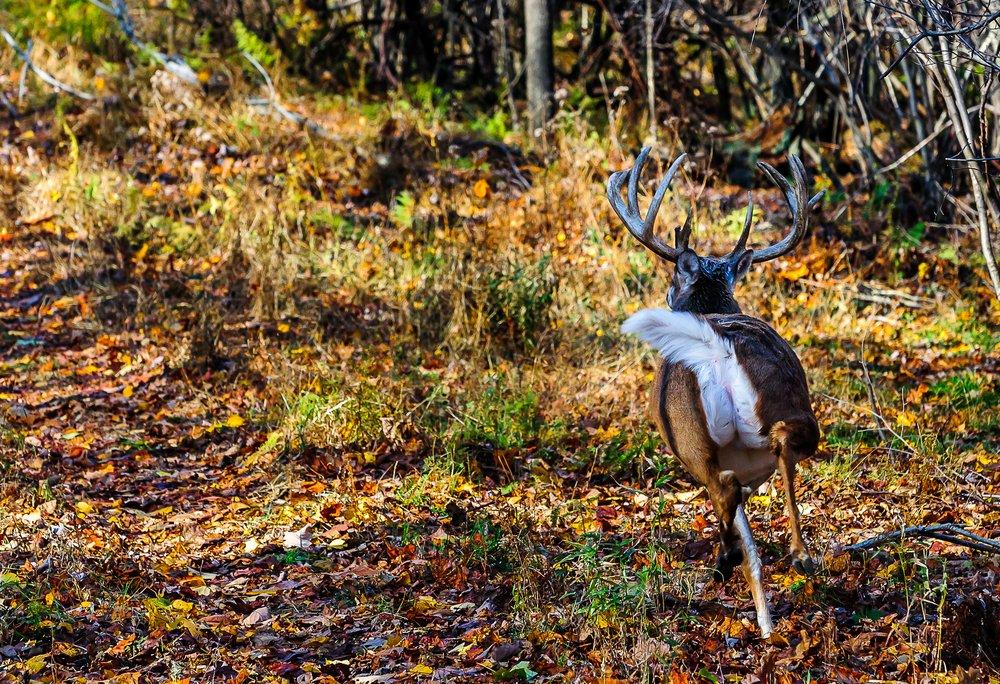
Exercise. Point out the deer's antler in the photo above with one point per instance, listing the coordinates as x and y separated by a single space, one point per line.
642 227
799 203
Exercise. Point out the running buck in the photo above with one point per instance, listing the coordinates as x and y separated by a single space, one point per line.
730 397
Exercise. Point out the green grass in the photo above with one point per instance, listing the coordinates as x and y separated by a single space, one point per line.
965 390
518 304
500 415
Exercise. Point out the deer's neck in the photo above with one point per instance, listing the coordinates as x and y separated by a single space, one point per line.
711 301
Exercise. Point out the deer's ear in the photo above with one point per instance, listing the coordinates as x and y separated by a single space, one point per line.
687 265
742 265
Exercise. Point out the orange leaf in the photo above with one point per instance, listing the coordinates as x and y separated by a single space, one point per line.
120 647
699 523
794 272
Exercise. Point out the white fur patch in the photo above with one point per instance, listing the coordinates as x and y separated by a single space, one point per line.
729 400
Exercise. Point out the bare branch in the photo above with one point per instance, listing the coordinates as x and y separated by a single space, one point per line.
175 64
949 532
25 57
273 103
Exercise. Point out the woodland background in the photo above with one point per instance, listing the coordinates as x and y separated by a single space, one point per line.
309 356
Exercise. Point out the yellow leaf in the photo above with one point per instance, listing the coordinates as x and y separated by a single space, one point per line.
50 598
421 669
234 421
181 605
425 604
795 272
481 188
127 392
141 253
284 327
35 664
906 419
84 507
190 626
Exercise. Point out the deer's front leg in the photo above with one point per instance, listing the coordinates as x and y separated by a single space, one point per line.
752 570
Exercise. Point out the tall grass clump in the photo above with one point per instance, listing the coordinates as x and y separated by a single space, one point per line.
518 303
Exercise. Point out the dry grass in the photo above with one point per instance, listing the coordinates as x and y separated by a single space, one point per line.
369 303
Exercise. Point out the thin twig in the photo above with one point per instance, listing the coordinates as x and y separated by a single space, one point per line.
880 423
175 64
8 105
273 103
923 35
41 73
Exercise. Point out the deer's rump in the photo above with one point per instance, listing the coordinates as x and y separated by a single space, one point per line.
676 401
707 396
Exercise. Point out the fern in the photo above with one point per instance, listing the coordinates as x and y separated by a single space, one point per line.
248 41
403 210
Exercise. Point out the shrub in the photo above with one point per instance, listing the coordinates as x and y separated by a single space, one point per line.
518 302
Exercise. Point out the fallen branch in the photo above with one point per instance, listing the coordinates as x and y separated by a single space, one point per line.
948 532
869 293
25 57
175 64
273 103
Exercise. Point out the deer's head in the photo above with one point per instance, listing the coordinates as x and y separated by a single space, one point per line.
704 284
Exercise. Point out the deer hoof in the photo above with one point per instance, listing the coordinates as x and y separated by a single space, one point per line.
727 562
805 565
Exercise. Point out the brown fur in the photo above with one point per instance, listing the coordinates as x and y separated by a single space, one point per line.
783 408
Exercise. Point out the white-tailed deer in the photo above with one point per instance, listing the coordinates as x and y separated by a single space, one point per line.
730 397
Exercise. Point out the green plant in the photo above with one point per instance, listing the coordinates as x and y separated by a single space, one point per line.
518 301
493 126
964 390
500 416
403 210
248 41
358 416
78 22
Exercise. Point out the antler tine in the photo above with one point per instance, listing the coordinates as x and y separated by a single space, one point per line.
799 203
642 227
741 244
633 180
683 233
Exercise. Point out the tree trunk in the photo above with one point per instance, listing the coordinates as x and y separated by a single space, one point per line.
538 60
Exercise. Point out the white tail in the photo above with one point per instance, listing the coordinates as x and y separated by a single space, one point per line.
679 336
727 395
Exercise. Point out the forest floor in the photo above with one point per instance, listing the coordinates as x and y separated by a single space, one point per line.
216 470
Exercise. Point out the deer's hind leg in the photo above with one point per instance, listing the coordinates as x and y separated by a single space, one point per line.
753 571
680 416
790 443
